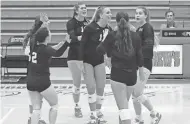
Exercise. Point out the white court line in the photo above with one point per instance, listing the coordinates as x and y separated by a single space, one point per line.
6 116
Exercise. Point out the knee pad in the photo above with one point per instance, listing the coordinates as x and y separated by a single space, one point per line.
55 107
92 98
36 112
76 90
125 114
99 99
141 99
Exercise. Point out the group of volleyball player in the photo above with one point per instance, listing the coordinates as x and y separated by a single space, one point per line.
93 45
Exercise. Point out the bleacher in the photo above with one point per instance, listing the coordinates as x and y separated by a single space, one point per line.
17 16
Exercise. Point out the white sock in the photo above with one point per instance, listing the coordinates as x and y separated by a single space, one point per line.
153 112
77 105
139 117
98 111
94 113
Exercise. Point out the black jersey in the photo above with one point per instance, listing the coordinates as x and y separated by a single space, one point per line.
40 59
118 59
92 36
75 28
146 33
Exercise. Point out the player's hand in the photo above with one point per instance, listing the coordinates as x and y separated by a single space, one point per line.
132 28
157 40
67 38
141 74
79 38
108 62
115 28
27 50
80 65
44 17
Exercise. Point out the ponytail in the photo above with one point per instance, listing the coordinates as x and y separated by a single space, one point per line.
123 38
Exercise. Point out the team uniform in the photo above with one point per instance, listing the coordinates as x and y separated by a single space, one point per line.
146 33
91 38
124 68
38 78
75 28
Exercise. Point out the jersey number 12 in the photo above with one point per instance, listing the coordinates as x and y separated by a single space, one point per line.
33 57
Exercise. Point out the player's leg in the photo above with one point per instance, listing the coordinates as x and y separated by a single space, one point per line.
41 121
139 98
91 86
76 75
36 99
50 95
100 77
120 95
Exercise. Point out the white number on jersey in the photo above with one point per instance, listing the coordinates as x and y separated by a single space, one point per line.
105 33
82 29
33 57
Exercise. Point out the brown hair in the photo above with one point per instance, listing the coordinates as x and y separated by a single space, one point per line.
98 11
146 12
123 35
76 7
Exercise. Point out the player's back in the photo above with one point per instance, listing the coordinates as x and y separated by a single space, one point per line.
39 61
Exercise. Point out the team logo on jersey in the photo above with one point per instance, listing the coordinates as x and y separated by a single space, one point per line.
140 29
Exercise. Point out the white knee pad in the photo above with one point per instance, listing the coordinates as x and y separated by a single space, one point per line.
125 114
92 98
99 99
76 90
37 112
55 107
141 99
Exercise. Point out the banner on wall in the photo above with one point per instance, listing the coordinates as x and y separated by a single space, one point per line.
167 59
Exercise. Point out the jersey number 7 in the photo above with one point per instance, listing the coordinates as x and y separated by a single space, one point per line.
33 57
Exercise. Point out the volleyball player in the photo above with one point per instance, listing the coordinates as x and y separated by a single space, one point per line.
38 78
124 48
26 46
94 67
146 33
75 28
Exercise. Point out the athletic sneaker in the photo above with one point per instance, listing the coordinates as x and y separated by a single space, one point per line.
101 119
137 121
78 112
93 120
40 121
155 118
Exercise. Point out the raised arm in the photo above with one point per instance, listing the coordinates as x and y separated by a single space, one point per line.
31 32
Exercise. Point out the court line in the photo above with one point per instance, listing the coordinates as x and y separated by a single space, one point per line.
7 115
